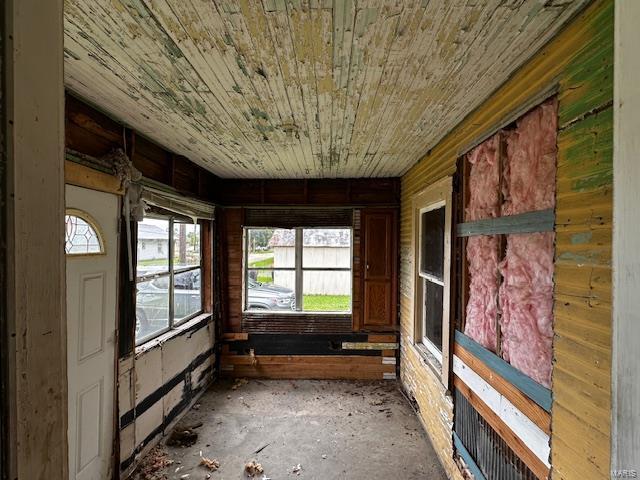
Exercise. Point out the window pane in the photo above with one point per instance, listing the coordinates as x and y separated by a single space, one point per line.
326 248
432 242
187 294
433 312
152 307
326 291
271 248
80 236
271 290
186 240
153 246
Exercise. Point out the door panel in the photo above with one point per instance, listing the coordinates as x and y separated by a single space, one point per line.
91 330
379 269
378 237
377 307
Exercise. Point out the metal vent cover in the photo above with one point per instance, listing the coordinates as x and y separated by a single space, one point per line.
492 455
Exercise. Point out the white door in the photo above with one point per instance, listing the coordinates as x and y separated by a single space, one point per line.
92 264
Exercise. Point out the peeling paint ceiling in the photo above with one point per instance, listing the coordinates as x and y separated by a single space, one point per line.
300 88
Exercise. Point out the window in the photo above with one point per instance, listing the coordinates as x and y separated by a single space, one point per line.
82 236
298 270
432 250
432 275
168 277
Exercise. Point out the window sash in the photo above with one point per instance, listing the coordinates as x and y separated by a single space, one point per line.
171 274
298 269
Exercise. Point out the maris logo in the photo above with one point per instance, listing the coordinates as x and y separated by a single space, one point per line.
624 474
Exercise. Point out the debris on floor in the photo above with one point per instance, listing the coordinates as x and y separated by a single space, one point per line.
261 448
211 464
253 468
183 435
153 465
239 383
297 469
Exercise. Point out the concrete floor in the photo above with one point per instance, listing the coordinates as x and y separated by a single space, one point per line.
332 429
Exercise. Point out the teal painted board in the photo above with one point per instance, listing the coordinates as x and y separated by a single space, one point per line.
530 222
466 456
528 386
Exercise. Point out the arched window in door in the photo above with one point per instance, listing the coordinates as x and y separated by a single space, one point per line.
82 235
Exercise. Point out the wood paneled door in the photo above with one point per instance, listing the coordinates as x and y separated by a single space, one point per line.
379 254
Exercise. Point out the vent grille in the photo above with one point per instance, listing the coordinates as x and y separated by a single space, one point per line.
490 452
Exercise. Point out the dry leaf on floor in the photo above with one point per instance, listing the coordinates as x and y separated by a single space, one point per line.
152 466
239 383
211 464
253 468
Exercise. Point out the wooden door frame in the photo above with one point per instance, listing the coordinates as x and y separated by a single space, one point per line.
34 194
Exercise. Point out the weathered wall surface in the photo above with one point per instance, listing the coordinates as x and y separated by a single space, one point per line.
579 61
34 241
158 384
302 88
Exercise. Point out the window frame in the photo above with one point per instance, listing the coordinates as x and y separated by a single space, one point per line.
170 274
298 270
93 224
437 195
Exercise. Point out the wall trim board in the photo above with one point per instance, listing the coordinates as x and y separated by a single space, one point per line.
300 344
625 436
529 222
33 205
82 176
523 403
525 429
529 387
468 459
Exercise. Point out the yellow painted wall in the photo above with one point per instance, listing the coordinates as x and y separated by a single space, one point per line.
579 61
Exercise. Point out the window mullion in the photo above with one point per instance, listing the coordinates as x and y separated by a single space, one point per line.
298 260
171 273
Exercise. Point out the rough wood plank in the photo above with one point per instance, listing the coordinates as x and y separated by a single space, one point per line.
539 221
369 346
531 409
81 176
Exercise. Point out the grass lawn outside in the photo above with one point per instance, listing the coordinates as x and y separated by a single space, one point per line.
326 303
266 263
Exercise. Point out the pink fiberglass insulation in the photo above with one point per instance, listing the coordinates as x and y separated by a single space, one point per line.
482 251
526 303
530 167
484 180
482 308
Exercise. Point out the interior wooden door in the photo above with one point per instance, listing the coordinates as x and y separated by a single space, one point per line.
92 262
379 268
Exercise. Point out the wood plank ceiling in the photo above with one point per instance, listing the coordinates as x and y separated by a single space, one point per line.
300 88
